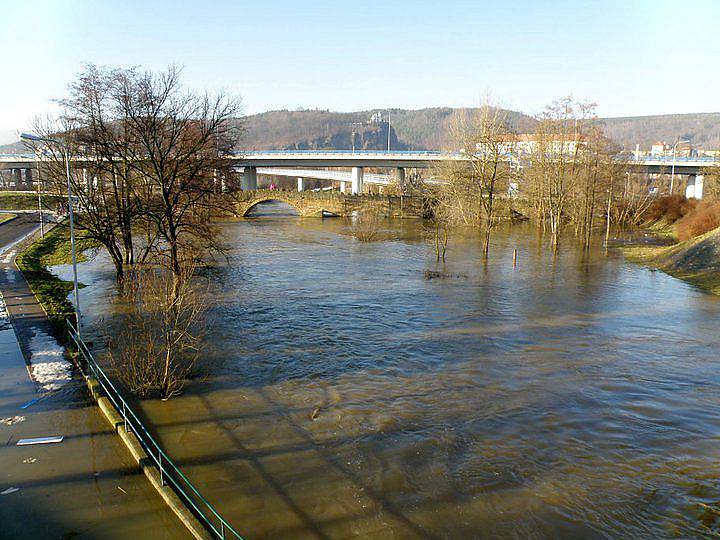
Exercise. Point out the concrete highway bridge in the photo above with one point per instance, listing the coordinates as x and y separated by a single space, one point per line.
320 164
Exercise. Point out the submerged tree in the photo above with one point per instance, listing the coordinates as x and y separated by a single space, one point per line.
179 142
469 187
147 160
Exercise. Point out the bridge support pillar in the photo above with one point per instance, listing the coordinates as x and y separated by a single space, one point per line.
29 178
17 178
695 186
400 173
301 184
249 181
357 180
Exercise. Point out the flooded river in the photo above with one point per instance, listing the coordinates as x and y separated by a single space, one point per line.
349 395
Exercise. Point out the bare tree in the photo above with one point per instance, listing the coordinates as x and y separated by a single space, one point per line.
105 208
367 226
469 187
147 157
177 145
632 199
556 164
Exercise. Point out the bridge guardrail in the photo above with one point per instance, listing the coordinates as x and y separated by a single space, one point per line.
170 473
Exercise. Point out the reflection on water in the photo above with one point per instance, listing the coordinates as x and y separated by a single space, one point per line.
572 396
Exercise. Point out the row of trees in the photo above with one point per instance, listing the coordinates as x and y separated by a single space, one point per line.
566 172
146 169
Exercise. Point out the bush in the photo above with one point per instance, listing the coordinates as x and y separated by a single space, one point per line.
367 226
671 208
161 332
704 218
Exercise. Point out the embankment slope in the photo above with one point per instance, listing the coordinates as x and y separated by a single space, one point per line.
696 261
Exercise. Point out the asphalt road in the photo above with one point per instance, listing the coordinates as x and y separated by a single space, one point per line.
15 229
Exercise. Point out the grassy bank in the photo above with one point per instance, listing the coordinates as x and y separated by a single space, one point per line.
50 290
6 217
12 200
696 261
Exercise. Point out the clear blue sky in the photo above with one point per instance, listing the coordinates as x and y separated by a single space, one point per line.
631 57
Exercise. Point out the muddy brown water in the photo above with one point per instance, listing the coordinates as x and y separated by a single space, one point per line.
575 395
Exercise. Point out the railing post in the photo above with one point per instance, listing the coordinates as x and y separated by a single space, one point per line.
125 418
222 530
162 480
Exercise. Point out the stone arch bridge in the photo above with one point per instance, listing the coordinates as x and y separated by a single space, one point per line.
319 203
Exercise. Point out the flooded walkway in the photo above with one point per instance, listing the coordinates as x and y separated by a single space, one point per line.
87 486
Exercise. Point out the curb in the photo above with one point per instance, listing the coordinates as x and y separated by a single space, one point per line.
143 461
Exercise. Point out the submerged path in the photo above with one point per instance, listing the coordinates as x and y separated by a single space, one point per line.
87 486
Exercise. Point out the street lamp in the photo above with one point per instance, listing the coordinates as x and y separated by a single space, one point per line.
353 124
39 188
672 173
66 151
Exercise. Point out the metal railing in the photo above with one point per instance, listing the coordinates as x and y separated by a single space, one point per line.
170 473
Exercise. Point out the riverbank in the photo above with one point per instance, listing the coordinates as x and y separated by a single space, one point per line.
696 261
51 291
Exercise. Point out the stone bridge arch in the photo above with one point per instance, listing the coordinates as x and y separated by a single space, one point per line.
315 204
247 206
305 204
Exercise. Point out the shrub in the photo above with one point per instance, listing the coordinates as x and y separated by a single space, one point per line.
367 226
161 332
670 208
704 218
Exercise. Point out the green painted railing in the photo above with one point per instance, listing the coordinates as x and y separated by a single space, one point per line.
170 473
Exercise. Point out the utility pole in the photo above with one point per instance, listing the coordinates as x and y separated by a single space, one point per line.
388 130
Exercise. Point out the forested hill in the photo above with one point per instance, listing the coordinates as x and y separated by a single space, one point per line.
426 129
423 129
702 129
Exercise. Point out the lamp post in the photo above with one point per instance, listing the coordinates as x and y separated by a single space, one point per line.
388 130
672 172
353 124
66 151
39 188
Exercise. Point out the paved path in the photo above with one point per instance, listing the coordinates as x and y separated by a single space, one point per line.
85 487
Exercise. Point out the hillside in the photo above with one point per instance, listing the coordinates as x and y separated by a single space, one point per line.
419 129
702 129
426 129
